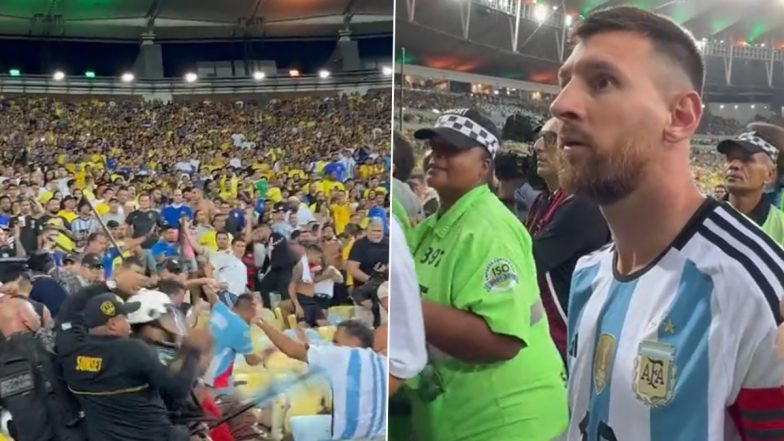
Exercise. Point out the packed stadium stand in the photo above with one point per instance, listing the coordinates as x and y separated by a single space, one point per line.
229 183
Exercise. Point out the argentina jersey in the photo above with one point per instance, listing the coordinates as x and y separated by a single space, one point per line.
358 379
684 349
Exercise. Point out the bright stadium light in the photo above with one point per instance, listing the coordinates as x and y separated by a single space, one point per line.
736 107
387 71
89 74
59 75
293 73
191 77
259 75
753 106
721 106
323 73
14 72
568 20
127 77
540 13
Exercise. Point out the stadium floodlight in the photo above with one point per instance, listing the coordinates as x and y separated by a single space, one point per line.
387 71
191 77
59 75
259 75
753 106
540 13
736 107
323 73
495 92
721 106
436 111
89 74
127 77
555 7
14 72
293 73
568 20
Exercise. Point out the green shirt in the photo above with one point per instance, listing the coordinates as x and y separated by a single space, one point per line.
477 257
774 225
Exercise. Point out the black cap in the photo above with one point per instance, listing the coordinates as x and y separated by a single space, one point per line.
112 224
173 265
750 143
100 309
280 207
91 260
71 257
464 128
11 267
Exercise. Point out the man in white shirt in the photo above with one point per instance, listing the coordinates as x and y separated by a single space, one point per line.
228 268
304 215
406 328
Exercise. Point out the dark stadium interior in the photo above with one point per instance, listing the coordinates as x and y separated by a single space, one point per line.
435 38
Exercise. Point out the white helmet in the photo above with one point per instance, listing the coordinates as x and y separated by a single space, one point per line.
154 304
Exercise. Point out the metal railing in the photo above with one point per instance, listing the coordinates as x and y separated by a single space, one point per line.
178 86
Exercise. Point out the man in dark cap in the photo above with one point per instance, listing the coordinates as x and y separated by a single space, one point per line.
119 380
750 168
280 223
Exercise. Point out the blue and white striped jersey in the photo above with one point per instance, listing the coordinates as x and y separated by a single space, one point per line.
358 378
683 350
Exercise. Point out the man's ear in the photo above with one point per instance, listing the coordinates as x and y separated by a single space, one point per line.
685 115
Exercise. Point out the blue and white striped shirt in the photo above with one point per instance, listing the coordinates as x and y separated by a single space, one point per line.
358 378
669 353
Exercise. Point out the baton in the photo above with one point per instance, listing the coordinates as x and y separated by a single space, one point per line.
104 227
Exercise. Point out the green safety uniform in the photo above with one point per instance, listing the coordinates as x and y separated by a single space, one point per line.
770 219
477 257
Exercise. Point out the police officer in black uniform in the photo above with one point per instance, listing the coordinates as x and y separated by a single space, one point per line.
38 402
119 381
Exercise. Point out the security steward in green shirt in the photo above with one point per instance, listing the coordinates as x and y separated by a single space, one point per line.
750 167
493 371
119 380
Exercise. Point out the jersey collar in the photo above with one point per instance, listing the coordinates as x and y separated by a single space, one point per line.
446 220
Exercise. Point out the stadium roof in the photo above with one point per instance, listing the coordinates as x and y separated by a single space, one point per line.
436 36
191 19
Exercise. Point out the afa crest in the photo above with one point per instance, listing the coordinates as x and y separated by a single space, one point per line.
654 373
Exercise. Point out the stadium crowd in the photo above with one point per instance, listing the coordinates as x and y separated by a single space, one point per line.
197 227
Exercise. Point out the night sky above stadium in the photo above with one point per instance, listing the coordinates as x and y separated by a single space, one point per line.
111 59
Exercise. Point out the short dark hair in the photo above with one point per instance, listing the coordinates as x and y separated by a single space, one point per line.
357 329
131 261
668 37
403 156
352 230
244 301
170 286
93 236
